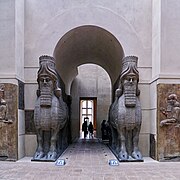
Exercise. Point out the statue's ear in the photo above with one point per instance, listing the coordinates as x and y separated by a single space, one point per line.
38 92
138 92
118 92
58 92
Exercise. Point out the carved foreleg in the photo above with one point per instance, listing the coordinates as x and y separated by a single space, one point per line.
122 137
39 151
52 154
136 153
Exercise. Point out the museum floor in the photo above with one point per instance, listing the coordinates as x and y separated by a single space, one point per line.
88 160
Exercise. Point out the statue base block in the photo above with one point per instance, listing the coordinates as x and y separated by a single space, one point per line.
130 158
170 159
45 159
3 158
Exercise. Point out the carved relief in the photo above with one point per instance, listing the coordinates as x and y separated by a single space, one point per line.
8 121
172 112
3 106
125 113
168 121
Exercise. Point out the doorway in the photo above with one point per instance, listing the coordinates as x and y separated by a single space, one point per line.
88 107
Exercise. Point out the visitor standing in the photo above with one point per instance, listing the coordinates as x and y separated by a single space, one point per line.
90 129
84 128
104 130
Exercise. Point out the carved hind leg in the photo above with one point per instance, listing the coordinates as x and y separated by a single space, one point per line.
39 151
136 153
123 155
114 138
52 154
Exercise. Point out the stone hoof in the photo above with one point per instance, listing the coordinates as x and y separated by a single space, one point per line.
123 155
117 150
38 155
52 155
137 155
113 146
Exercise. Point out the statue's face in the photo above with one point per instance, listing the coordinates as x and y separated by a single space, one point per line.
45 82
172 100
46 86
130 85
130 80
170 103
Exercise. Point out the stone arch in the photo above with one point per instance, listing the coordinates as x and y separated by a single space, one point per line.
45 41
87 44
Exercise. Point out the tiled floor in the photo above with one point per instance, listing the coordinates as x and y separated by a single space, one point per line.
88 160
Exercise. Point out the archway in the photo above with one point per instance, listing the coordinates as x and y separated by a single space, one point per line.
92 84
87 44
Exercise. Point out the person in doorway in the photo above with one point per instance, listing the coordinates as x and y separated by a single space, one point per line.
90 129
84 128
104 130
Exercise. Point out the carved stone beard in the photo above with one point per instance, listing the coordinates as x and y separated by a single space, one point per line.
130 94
46 96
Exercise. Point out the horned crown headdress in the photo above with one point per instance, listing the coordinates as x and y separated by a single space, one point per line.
47 67
129 63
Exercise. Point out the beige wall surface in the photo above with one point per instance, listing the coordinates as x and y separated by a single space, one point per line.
46 23
12 39
170 18
7 39
12 55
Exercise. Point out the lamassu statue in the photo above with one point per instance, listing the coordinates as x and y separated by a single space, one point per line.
50 113
125 114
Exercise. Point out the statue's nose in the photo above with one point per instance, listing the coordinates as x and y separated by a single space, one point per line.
44 81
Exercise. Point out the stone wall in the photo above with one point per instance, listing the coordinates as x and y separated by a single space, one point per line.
9 126
168 141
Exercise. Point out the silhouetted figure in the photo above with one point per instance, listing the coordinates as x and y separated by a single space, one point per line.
84 128
90 129
108 129
104 130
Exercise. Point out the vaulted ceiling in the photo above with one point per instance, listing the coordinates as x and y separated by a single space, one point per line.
87 44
